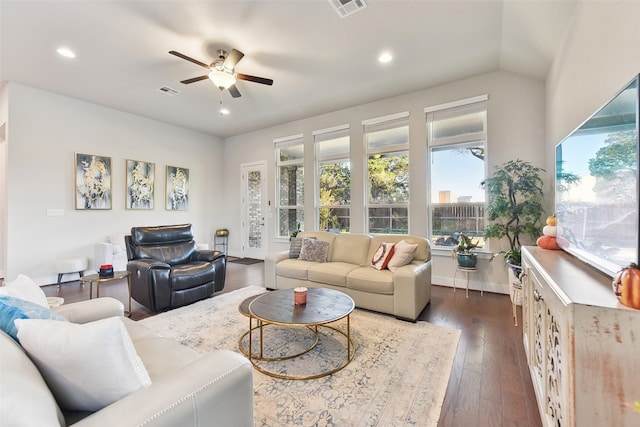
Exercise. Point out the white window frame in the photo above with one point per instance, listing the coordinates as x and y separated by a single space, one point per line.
454 109
320 136
378 124
290 141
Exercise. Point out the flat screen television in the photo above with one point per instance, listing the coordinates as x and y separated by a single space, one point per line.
596 194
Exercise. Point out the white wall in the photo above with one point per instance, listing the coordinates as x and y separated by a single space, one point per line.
45 131
3 178
599 56
515 130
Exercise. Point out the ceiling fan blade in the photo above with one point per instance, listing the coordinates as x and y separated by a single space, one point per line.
233 90
232 59
195 79
254 79
195 61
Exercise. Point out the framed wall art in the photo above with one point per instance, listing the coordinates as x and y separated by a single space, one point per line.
141 177
92 181
177 189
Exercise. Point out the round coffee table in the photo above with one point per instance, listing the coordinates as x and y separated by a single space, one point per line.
323 306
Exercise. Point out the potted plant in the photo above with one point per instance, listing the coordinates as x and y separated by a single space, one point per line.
514 208
295 232
464 246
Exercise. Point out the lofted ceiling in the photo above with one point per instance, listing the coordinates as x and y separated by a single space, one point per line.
319 61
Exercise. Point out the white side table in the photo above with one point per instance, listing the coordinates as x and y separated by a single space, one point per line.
466 271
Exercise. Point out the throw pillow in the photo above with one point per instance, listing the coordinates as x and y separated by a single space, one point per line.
403 254
314 250
296 246
25 288
87 366
382 256
15 308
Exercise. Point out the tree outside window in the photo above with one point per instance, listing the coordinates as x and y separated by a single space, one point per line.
387 145
334 180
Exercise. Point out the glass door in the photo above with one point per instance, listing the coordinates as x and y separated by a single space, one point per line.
254 208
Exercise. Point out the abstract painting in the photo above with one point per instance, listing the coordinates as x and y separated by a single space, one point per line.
93 181
141 178
177 189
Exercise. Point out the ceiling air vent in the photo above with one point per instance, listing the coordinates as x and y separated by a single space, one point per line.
168 91
347 7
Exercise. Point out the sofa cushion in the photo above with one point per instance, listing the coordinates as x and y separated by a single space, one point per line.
14 308
87 366
25 288
382 256
25 398
403 254
352 248
314 250
369 279
332 273
294 268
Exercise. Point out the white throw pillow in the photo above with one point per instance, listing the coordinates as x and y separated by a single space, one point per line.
382 256
403 254
26 289
87 366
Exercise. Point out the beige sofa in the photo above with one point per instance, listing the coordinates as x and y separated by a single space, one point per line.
403 293
187 388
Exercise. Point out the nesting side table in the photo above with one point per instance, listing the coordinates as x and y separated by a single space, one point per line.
117 275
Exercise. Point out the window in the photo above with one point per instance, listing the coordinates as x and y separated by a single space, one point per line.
290 184
456 138
387 154
334 179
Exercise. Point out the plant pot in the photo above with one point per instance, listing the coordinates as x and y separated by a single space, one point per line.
467 260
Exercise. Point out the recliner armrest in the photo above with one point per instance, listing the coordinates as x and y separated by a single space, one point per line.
215 389
144 264
206 255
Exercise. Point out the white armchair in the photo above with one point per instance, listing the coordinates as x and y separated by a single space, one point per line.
111 251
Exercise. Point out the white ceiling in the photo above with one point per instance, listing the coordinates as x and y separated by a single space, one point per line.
319 61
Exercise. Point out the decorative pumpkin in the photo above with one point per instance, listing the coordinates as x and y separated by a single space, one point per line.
550 230
551 233
626 285
547 242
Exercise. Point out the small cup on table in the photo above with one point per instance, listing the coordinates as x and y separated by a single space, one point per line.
300 296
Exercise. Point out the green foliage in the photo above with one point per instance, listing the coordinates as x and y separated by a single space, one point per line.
295 232
335 182
465 244
388 179
515 204
618 154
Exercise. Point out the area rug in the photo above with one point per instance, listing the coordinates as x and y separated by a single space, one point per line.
245 261
398 377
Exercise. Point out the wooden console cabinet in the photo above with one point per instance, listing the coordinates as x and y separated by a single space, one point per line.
582 345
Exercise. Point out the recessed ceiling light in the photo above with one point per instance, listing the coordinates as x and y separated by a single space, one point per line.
385 57
66 52
224 111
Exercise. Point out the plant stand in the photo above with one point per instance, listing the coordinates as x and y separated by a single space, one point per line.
466 271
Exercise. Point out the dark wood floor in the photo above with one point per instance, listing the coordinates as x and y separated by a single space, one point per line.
490 383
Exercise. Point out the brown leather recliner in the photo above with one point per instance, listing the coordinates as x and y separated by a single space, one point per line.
168 271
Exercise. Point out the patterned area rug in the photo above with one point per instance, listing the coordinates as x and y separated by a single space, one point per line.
398 377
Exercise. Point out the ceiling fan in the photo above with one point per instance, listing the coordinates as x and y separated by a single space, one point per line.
222 71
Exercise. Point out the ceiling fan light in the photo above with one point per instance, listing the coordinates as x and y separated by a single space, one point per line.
222 79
